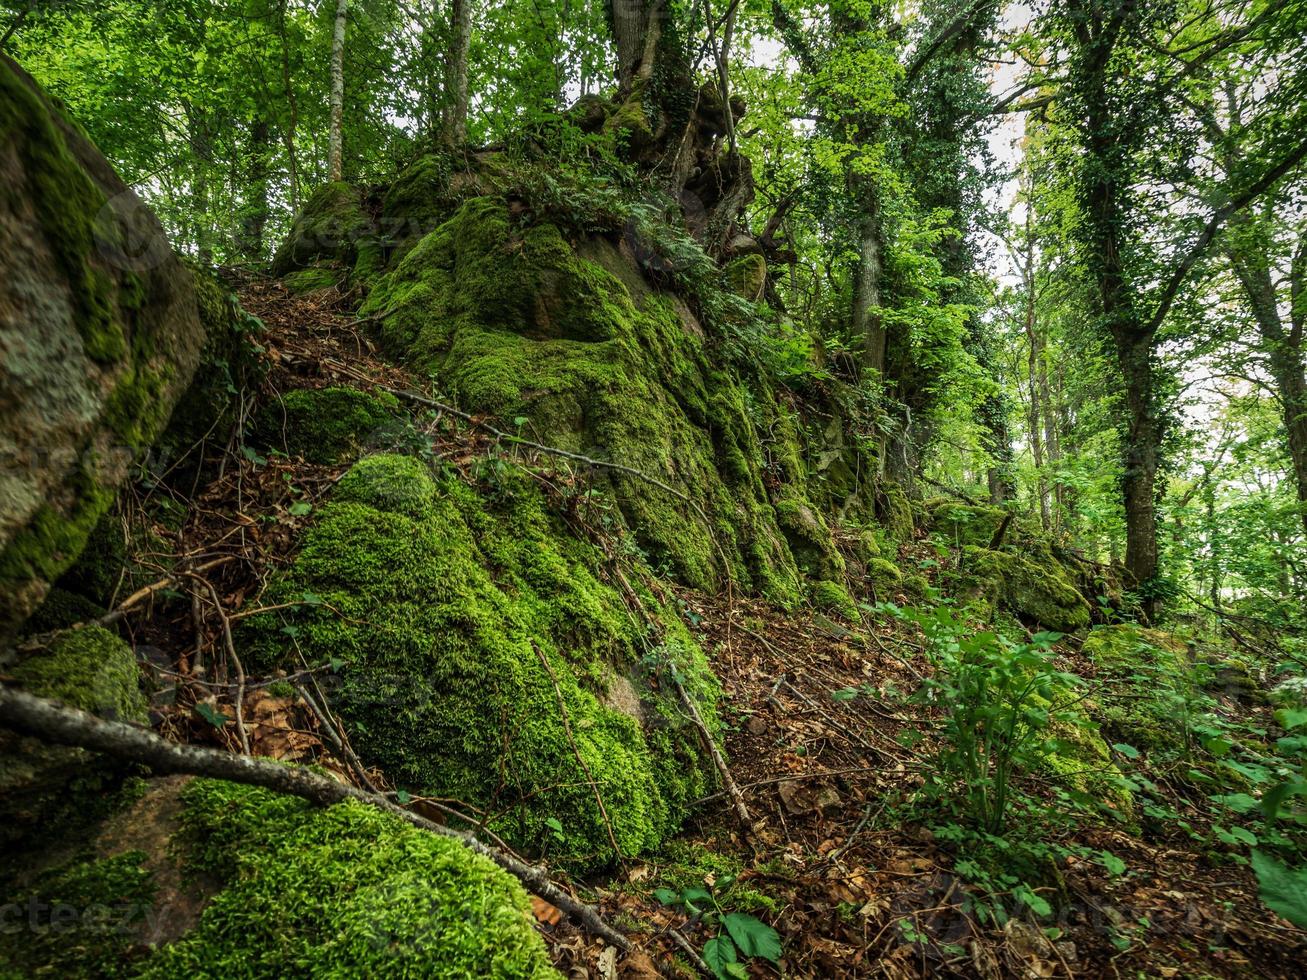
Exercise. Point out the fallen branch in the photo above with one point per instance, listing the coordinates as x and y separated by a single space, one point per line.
29 715
727 779
230 644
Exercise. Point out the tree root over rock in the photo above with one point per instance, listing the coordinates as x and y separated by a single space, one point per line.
60 725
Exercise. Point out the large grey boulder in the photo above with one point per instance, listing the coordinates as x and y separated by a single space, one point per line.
99 337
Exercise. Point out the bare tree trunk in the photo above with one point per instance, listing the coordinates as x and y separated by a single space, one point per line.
460 17
334 170
1034 357
868 322
1050 435
292 104
637 28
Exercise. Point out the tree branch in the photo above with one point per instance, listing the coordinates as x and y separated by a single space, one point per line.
29 715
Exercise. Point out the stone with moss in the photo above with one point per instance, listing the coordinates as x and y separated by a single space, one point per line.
569 337
91 669
746 276
326 425
1148 685
894 512
99 344
960 524
474 636
334 228
205 878
1030 583
313 279
884 578
833 597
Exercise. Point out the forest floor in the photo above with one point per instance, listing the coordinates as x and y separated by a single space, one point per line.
817 715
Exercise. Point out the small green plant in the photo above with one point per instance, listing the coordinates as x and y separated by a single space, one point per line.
1003 703
738 937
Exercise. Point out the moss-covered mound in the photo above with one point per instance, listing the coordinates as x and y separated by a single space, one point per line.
1029 581
1148 685
325 425
482 656
240 882
91 669
519 322
335 230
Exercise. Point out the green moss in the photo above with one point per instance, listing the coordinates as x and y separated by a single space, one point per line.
67 202
1031 583
88 668
963 524
78 920
685 864
334 226
833 597
312 279
884 578
446 607
60 610
894 512
746 276
325 425
1147 684
520 323
345 891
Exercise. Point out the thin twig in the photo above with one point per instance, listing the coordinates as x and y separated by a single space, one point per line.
230 644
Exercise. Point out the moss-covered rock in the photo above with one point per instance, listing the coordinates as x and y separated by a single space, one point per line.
520 322
1147 685
833 597
211 879
325 425
313 279
474 633
1031 583
963 524
91 669
96 343
334 228
746 276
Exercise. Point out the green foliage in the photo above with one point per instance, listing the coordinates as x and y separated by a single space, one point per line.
1007 710
739 936
88 668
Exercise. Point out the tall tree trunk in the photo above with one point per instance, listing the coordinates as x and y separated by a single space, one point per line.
1284 348
334 169
868 322
1051 454
1142 451
256 207
293 113
637 29
460 25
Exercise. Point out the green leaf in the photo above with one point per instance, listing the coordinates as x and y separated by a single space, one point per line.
719 953
844 694
667 896
1113 864
554 824
211 714
1027 897
1284 890
1291 718
301 508
695 897
1129 751
403 797
753 936
1238 802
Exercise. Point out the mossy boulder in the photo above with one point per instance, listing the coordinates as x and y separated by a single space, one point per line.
1148 685
325 425
522 322
91 669
205 879
1031 583
335 229
99 336
474 633
961 524
746 276
833 597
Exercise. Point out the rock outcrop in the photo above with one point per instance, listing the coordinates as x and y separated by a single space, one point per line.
99 337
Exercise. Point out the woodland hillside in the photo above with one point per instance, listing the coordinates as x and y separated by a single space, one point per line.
653 488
